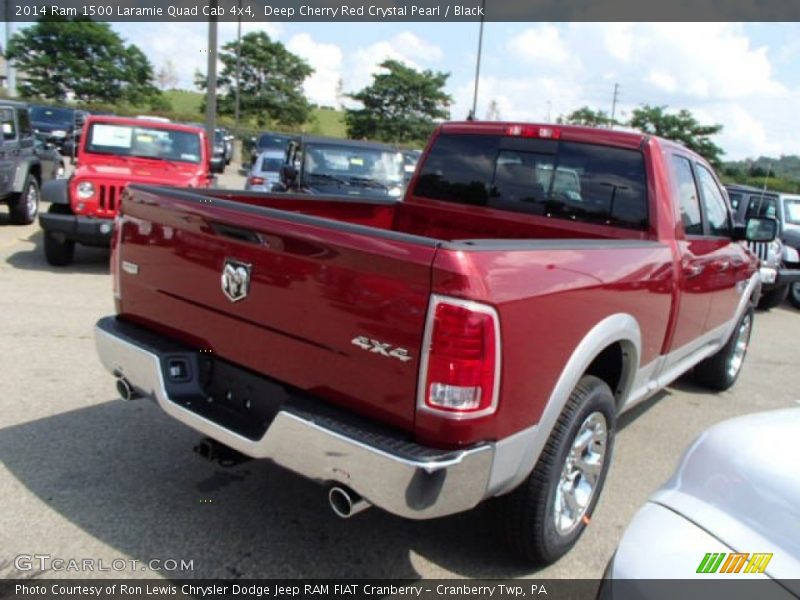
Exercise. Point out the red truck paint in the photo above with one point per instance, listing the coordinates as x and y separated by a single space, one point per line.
476 340
315 287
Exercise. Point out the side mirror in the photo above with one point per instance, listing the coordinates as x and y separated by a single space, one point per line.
288 175
757 229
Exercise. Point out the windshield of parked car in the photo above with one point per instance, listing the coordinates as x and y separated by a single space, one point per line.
271 165
762 206
146 141
568 180
354 164
791 206
272 142
58 116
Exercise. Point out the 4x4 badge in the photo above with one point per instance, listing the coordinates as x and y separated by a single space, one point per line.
381 348
235 279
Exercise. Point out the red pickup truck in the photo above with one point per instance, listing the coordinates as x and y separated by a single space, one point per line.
116 151
474 341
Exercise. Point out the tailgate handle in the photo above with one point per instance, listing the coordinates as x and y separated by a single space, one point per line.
237 233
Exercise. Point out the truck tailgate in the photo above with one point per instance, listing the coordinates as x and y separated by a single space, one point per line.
315 287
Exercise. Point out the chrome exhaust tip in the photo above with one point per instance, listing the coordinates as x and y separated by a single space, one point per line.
125 390
345 502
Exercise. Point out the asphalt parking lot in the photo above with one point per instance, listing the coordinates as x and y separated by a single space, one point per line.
85 475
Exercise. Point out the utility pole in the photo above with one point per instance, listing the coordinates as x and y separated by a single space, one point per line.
549 111
211 74
473 114
614 105
11 76
238 63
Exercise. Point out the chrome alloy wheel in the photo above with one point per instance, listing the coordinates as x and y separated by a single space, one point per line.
740 346
32 200
581 472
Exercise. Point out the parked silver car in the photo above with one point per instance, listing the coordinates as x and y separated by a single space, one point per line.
731 510
265 171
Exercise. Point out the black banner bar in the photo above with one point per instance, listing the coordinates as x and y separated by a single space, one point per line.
334 11
736 587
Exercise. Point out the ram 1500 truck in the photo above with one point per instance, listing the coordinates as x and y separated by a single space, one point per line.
475 341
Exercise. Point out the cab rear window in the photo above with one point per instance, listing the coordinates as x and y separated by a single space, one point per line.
569 180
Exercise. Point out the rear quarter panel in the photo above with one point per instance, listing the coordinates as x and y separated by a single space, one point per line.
549 297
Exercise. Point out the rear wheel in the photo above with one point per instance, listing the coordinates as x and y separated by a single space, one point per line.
544 517
720 371
772 298
794 294
25 206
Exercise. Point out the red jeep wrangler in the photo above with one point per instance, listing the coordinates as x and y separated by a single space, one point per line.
114 152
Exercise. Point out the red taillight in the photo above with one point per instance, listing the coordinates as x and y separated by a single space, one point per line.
534 131
461 359
256 180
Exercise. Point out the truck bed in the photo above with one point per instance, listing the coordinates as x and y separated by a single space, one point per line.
442 221
326 271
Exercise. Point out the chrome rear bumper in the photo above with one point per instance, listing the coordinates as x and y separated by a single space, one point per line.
402 478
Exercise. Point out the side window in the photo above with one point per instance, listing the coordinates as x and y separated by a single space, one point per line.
687 196
713 203
7 124
24 123
762 206
735 198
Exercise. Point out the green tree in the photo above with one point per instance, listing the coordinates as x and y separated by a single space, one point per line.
401 105
271 81
587 116
83 59
681 127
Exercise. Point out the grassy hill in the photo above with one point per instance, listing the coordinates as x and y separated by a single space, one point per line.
323 121
185 101
781 174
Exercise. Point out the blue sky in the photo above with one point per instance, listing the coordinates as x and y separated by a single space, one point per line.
744 76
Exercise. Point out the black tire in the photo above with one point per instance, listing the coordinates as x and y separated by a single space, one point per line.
526 517
772 298
794 294
720 371
25 206
59 252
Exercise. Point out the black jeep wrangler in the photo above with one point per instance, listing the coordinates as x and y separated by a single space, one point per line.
20 166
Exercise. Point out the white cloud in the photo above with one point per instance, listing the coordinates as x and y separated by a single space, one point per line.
404 47
542 96
542 46
699 60
713 69
186 44
662 80
618 40
326 60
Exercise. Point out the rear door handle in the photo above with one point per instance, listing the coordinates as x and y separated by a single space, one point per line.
692 270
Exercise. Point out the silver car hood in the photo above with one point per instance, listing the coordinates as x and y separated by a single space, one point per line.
740 481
